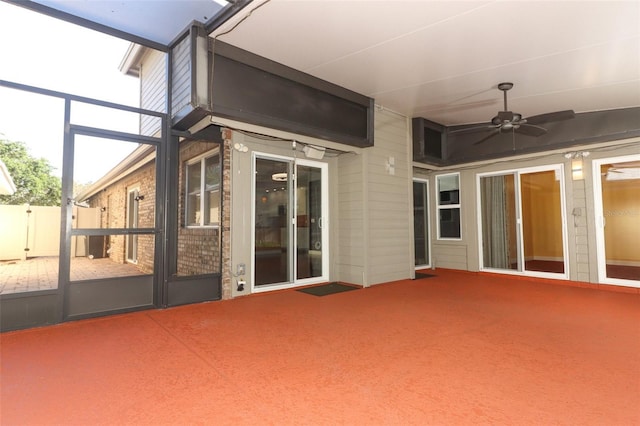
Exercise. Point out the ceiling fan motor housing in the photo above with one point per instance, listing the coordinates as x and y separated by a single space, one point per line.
504 117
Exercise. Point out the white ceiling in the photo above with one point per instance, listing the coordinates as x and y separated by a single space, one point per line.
442 60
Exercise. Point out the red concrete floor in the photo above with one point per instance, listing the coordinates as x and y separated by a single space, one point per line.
456 349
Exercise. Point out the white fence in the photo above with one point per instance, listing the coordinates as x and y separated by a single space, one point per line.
34 231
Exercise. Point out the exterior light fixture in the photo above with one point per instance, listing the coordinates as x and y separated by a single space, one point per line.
315 152
577 165
576 169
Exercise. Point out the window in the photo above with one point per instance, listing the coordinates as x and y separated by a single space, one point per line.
448 206
203 191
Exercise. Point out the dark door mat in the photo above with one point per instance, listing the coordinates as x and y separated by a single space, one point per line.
326 289
421 276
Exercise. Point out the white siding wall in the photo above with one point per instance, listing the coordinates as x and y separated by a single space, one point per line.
390 223
579 233
351 247
181 89
450 256
152 90
375 225
581 230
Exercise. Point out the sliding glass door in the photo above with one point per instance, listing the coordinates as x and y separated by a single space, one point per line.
617 186
521 222
290 225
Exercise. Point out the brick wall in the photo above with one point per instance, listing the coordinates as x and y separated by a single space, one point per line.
198 248
114 198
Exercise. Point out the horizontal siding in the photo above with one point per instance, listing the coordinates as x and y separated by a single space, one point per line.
153 90
181 89
350 259
351 274
390 253
450 256
581 240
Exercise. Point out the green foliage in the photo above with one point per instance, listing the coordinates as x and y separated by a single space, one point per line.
32 176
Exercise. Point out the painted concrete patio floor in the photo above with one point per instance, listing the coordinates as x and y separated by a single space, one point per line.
41 273
455 349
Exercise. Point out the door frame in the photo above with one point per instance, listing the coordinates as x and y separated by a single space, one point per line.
105 296
599 220
293 162
559 170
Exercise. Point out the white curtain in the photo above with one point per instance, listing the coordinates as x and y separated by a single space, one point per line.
495 229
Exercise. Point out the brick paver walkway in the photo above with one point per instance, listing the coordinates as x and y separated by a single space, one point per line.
41 273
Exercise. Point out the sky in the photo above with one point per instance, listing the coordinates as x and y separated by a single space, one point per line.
41 51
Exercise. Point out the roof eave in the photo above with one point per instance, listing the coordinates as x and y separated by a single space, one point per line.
132 60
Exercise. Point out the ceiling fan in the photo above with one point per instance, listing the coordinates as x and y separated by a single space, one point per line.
512 121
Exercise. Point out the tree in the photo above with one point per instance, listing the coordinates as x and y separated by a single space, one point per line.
32 177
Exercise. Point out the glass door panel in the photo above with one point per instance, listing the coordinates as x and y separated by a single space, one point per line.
421 224
272 238
308 222
542 228
620 186
499 223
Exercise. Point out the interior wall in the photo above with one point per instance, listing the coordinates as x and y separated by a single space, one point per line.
541 212
621 202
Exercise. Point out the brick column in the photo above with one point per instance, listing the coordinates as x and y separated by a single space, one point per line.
227 135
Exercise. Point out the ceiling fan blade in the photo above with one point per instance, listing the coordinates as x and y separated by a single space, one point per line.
627 165
551 116
473 129
531 130
489 136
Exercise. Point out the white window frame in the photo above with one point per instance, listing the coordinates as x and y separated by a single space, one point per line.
189 163
440 207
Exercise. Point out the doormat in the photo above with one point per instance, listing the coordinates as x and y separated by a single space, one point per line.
420 276
326 289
